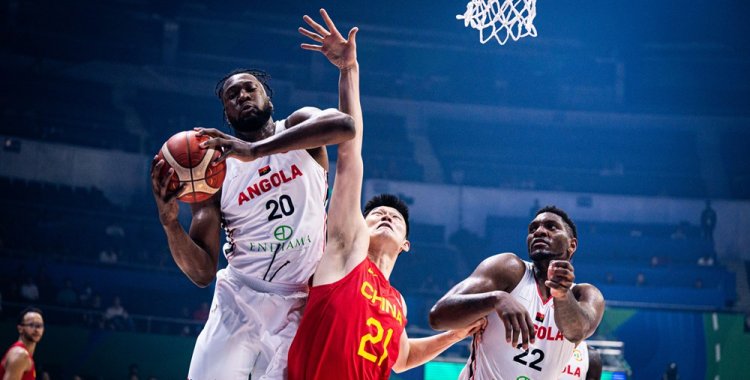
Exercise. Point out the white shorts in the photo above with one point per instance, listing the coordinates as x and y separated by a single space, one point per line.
249 329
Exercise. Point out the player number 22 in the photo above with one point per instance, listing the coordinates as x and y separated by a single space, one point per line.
374 340
536 354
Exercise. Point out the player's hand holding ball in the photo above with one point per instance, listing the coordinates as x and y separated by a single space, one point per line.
229 145
186 171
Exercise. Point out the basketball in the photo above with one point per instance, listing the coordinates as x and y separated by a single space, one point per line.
192 166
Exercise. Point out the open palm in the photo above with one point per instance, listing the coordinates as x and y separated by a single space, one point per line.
341 52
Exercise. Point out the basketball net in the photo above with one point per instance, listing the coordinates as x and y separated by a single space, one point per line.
504 19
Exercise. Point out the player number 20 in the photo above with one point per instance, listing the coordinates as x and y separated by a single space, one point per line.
374 339
283 206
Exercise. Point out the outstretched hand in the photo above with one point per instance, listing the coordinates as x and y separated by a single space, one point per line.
228 145
341 52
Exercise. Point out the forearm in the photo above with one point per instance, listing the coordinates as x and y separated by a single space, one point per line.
193 260
349 103
459 310
422 350
328 127
571 318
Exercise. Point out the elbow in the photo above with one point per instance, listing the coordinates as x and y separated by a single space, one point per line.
346 127
203 280
436 322
398 369
342 125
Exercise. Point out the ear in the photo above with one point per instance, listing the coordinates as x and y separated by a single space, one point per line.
572 246
405 246
20 329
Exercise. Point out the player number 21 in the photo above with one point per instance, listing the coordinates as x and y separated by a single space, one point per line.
374 340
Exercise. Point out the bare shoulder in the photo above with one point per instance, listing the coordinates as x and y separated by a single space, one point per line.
300 115
504 270
17 354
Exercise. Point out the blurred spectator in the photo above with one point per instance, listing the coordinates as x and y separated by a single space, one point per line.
116 317
671 372
108 256
133 370
706 261
654 261
95 316
640 280
67 295
708 221
698 283
29 291
86 296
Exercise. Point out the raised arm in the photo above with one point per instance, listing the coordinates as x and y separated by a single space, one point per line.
196 254
307 128
578 309
346 226
487 290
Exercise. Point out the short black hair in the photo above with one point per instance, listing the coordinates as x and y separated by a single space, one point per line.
30 309
559 212
261 75
388 200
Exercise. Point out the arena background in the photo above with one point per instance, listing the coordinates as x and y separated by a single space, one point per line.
628 114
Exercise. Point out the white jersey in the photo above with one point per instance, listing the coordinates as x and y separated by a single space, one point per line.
578 365
494 359
273 212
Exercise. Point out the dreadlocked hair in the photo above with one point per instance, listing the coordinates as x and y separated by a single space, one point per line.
261 75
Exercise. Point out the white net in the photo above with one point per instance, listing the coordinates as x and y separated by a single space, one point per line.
501 19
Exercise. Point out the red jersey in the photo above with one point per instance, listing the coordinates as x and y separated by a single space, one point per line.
350 329
28 375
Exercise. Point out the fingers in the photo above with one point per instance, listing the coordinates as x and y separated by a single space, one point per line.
329 23
212 132
313 36
525 336
224 155
530 328
353 35
174 194
318 28
164 183
311 47
516 330
508 328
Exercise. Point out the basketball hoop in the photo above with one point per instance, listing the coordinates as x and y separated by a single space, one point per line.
505 19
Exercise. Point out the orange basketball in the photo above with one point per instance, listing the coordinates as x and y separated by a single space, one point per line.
192 166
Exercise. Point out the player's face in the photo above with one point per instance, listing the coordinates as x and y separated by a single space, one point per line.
387 222
245 102
32 327
548 239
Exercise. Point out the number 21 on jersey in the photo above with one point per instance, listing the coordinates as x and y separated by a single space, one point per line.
375 339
